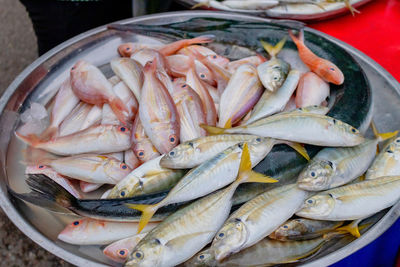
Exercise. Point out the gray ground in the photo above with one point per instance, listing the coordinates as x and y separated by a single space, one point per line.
17 50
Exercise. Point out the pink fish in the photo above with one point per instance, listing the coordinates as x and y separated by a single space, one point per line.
87 187
130 159
240 96
191 112
56 177
96 139
91 86
141 144
127 49
213 57
322 67
75 121
172 48
198 86
312 90
120 250
179 64
157 111
254 60
95 232
65 101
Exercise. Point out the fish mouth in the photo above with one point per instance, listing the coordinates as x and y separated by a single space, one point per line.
311 185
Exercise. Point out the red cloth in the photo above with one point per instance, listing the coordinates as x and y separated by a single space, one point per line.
375 32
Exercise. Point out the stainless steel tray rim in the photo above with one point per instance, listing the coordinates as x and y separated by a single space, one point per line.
10 210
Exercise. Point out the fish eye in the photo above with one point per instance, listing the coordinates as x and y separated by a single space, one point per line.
353 130
138 254
127 48
172 139
202 76
171 153
276 78
312 174
140 154
201 256
332 69
398 141
334 121
258 139
73 68
221 235
315 106
122 193
76 223
285 226
215 56
151 61
123 166
123 253
389 151
310 201
183 86
190 144
40 166
122 129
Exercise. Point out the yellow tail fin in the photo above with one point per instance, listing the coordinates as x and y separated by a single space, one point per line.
205 3
246 175
382 136
299 148
212 129
228 124
351 8
273 50
352 228
147 213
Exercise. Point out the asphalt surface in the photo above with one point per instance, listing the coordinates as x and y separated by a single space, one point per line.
17 50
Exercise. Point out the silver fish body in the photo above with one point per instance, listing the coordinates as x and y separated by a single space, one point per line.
273 102
273 73
387 163
333 167
354 201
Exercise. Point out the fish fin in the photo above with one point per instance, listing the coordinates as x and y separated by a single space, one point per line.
49 133
273 50
351 8
147 213
228 124
382 136
212 129
30 139
47 193
246 175
299 148
119 109
202 39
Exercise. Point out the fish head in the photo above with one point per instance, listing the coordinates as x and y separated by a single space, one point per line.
203 258
394 147
121 133
230 239
290 228
115 169
148 253
273 73
126 50
120 250
317 175
350 133
76 230
179 155
218 60
165 136
37 169
331 73
150 66
145 151
259 146
79 66
125 188
317 206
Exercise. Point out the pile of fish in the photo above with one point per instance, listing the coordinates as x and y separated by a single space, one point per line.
174 134
263 5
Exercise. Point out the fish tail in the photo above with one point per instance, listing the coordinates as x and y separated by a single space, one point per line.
212 129
47 193
30 139
34 156
273 50
352 228
246 175
297 40
119 108
228 124
147 213
382 136
353 11
203 39
299 148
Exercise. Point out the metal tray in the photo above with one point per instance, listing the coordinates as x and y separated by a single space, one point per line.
311 13
41 79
